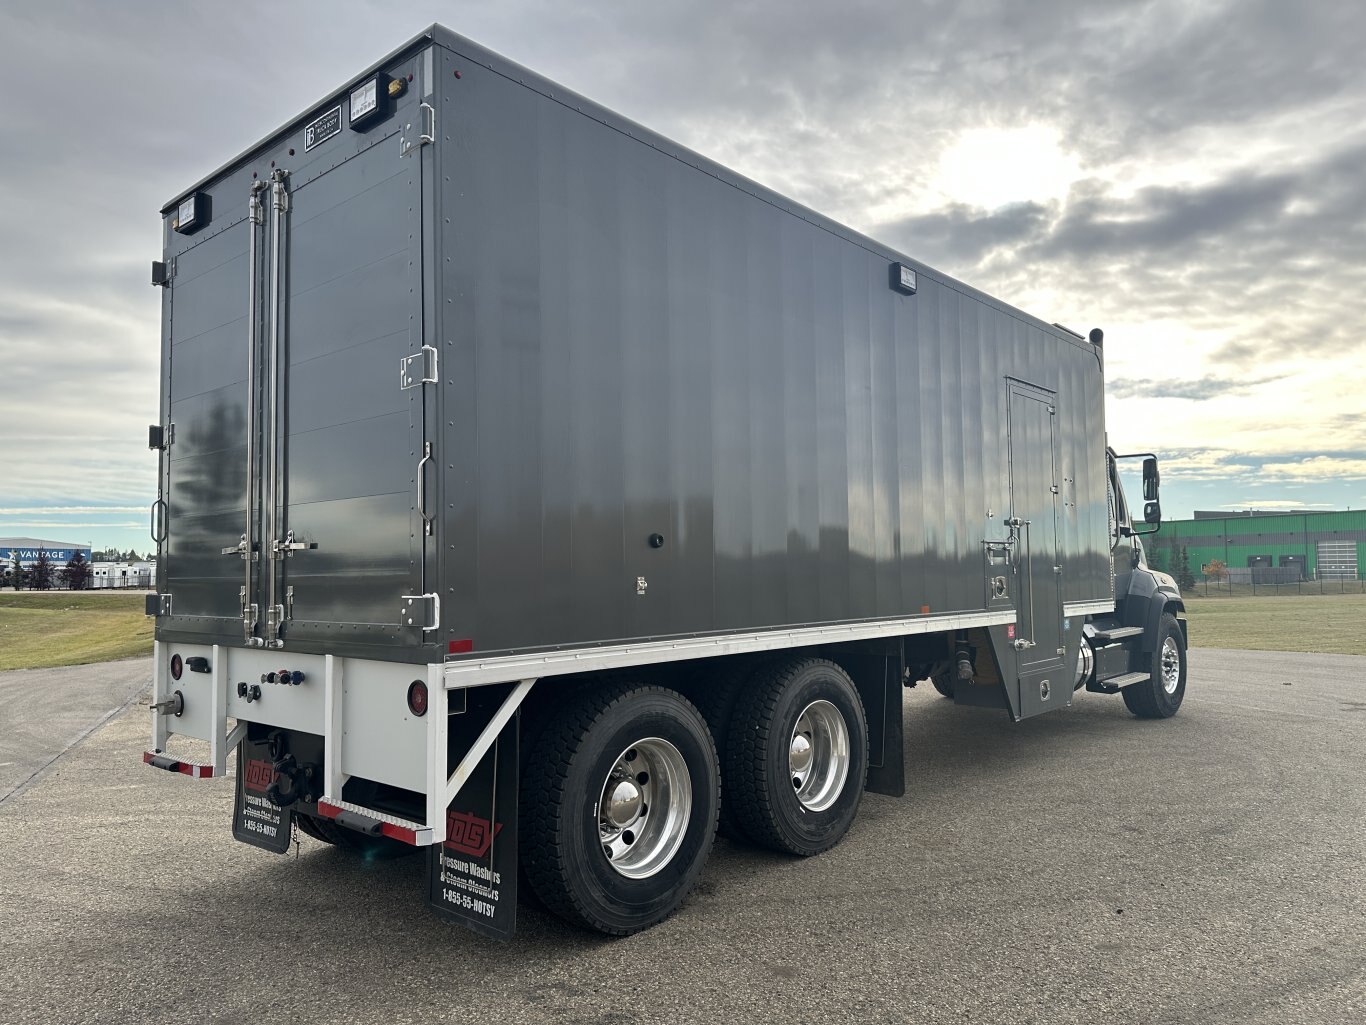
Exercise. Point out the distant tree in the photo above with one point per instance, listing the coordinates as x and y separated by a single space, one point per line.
16 571
1159 557
1216 570
41 573
1185 578
76 573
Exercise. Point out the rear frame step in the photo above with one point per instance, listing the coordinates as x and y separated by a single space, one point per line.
375 823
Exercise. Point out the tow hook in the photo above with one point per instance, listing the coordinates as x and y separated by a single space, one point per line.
174 705
300 787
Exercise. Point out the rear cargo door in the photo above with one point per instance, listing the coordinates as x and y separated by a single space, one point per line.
1034 510
211 382
344 531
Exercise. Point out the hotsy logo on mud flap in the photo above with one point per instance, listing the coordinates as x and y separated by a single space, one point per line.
470 834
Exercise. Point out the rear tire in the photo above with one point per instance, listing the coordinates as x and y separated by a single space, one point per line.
715 698
1161 694
943 683
619 806
797 756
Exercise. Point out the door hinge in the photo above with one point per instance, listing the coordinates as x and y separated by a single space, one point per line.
160 438
158 605
418 369
1053 488
424 609
427 116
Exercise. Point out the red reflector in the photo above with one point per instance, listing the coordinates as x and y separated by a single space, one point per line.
925 609
177 667
399 833
1010 632
417 698
460 647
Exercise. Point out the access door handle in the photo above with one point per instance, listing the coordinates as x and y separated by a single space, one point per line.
422 487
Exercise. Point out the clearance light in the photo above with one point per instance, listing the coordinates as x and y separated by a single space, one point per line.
903 279
192 213
369 102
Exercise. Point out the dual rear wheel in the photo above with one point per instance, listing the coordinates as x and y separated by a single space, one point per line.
622 792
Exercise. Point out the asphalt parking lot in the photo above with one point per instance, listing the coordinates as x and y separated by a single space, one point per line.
1079 867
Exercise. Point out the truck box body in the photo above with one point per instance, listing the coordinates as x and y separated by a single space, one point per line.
668 402
470 385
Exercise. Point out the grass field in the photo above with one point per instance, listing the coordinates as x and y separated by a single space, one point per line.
39 629
1333 623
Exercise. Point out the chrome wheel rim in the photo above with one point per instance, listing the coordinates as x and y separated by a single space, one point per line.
644 808
1171 666
818 755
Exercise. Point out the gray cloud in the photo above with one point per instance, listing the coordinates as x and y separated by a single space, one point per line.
846 107
1195 389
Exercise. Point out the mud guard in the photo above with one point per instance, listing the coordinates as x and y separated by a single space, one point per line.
1160 602
472 875
877 677
257 820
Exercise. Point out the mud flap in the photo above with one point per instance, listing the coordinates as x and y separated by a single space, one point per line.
255 819
473 874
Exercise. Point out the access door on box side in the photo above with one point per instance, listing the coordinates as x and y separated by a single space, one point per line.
1037 556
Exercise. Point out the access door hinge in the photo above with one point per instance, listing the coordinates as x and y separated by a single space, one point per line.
1053 488
418 369
421 609
158 605
160 438
162 272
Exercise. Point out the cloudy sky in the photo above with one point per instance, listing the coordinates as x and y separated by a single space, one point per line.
1190 176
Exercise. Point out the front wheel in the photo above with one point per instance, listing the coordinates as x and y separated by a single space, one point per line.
1161 694
619 806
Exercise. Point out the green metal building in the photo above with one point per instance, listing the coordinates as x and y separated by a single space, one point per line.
1320 545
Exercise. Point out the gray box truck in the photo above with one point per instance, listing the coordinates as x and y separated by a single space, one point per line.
537 492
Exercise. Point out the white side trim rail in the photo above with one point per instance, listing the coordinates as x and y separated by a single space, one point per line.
481 672
1088 608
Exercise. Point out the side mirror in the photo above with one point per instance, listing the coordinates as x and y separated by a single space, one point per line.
1152 512
1151 480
